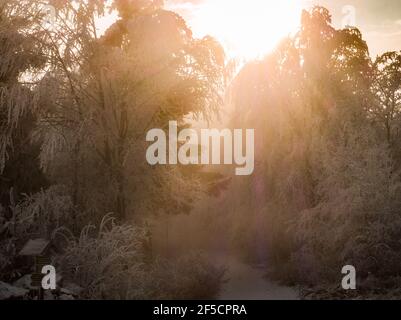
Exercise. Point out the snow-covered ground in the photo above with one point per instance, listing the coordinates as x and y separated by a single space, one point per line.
246 282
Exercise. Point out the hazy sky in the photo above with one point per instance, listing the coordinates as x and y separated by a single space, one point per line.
379 20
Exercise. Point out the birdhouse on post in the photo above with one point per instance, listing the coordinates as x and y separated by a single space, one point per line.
37 250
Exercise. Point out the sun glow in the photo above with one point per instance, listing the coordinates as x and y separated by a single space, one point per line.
247 28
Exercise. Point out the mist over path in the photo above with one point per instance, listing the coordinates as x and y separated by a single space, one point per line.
181 235
249 282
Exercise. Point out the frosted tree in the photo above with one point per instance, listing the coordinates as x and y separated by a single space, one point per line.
386 87
20 55
146 69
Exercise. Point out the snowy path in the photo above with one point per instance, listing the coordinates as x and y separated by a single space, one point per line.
246 282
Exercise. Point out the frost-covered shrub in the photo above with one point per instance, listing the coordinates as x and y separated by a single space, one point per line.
191 277
35 216
38 215
111 263
107 262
